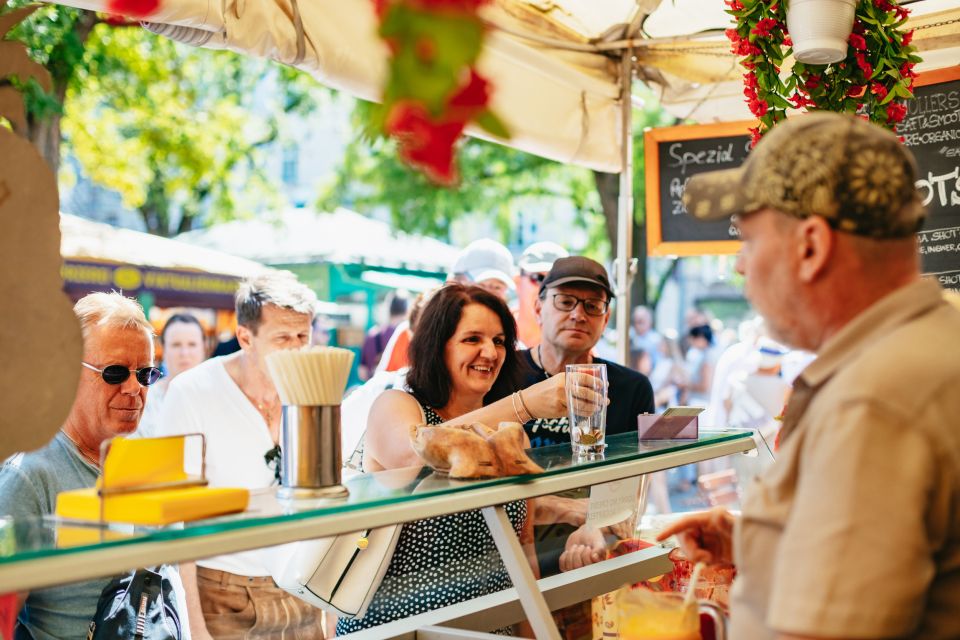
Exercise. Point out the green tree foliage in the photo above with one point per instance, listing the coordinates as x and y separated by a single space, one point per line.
494 180
169 127
55 37
172 128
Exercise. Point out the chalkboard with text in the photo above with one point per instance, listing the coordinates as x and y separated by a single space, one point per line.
931 130
673 155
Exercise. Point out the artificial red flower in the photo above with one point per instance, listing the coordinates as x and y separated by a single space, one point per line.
857 42
425 50
444 5
754 136
907 38
758 107
424 142
902 13
472 96
863 64
133 8
856 91
883 5
878 90
812 82
896 112
906 70
764 27
735 5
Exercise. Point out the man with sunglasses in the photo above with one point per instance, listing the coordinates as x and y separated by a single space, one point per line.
117 369
573 308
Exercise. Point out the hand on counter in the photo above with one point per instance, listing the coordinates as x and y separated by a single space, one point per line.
585 546
704 537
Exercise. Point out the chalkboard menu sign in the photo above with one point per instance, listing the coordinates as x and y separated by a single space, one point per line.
673 154
932 132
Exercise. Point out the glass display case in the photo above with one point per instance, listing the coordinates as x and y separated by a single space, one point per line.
41 552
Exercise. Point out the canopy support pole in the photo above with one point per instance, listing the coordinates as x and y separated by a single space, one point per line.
625 265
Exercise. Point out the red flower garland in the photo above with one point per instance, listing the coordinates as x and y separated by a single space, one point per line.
873 80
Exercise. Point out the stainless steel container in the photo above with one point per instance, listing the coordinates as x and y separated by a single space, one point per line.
310 441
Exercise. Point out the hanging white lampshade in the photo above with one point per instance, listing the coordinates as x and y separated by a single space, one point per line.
819 29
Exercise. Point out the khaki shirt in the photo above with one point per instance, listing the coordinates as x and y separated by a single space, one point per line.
855 531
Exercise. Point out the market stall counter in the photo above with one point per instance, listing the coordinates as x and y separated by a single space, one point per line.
42 552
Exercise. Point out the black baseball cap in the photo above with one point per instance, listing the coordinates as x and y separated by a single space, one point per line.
577 269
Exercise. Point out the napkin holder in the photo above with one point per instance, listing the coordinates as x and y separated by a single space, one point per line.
651 427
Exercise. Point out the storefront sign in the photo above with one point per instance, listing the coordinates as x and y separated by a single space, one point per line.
169 287
932 131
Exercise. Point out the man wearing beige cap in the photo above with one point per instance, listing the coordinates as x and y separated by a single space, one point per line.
854 532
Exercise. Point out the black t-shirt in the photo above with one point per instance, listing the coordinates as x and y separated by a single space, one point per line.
630 395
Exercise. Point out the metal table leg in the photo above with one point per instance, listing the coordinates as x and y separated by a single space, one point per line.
538 613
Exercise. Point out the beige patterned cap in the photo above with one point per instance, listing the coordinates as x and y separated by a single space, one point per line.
854 174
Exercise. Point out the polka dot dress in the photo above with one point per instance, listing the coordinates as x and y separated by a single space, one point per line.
439 562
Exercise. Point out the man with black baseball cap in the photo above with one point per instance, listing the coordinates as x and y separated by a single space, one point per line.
573 308
854 532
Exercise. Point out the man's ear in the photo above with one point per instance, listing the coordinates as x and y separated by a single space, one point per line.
244 337
815 244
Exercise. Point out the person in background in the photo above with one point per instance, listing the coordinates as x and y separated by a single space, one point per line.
487 264
699 363
396 356
668 375
233 401
534 264
322 331
378 337
182 341
462 356
643 337
854 531
116 371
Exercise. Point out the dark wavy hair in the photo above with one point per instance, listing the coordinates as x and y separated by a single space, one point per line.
428 377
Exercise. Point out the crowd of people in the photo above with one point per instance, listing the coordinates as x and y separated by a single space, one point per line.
863 496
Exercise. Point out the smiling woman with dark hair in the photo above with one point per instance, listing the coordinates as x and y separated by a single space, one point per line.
462 355
431 384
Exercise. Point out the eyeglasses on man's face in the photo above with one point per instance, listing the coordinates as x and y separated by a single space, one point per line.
118 374
591 306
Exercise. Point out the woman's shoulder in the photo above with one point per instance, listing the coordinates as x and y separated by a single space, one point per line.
392 404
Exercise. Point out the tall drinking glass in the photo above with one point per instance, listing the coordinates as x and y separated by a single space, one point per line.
587 407
645 615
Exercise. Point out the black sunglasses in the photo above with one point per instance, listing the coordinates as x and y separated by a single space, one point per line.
118 374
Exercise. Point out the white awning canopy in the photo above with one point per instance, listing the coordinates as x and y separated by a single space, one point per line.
553 62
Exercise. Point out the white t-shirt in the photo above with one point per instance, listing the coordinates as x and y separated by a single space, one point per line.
205 399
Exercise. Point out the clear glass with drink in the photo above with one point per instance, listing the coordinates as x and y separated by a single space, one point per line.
587 407
650 615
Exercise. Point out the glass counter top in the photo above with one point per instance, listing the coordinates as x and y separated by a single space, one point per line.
375 499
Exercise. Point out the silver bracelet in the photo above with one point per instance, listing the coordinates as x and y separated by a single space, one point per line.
516 412
525 409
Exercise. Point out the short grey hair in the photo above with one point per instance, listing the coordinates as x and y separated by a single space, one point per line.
279 288
110 310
